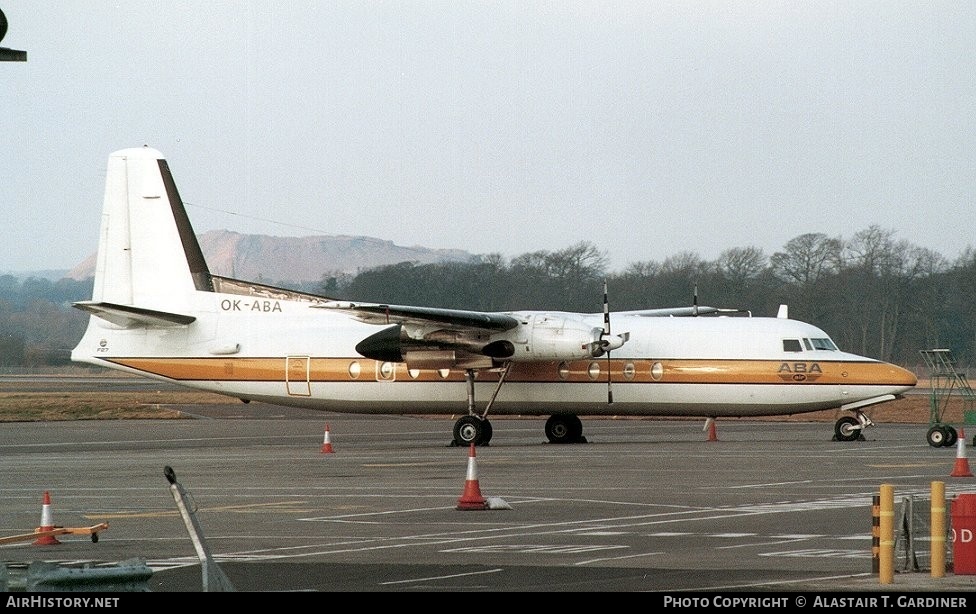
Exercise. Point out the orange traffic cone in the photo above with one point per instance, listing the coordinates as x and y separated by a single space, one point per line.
326 443
471 499
961 469
47 524
711 430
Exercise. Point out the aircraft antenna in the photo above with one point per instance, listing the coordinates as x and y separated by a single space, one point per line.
606 333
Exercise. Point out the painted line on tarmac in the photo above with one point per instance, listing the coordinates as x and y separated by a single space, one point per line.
448 577
276 506
619 558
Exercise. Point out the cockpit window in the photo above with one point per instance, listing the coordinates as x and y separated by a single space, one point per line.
823 344
792 345
806 343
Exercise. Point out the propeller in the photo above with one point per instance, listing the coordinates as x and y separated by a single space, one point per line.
606 333
603 343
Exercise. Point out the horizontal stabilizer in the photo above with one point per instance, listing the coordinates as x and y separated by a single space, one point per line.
131 317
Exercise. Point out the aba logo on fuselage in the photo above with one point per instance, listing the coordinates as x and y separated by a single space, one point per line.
799 371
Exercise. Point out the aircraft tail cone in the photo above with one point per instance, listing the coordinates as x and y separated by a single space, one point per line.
471 498
47 524
961 469
326 442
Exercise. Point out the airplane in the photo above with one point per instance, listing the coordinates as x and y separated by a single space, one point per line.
157 311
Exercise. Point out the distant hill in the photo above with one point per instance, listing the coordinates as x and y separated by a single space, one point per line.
298 259
49 274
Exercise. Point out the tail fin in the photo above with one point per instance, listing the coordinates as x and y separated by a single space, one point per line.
149 261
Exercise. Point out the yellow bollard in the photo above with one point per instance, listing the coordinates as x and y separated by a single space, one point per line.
886 574
875 533
938 529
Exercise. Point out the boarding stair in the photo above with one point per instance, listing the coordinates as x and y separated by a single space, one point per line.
947 381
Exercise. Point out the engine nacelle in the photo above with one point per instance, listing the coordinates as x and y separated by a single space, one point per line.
540 337
553 337
446 359
384 346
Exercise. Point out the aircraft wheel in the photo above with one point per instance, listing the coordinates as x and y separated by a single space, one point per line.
936 436
486 432
952 436
847 428
576 429
470 429
564 428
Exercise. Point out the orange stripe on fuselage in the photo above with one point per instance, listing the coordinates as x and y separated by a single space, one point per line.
622 371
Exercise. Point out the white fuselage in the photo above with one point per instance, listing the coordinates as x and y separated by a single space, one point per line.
289 353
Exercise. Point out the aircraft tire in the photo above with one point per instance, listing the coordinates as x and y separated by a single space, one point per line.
471 429
847 429
486 432
564 428
937 436
577 429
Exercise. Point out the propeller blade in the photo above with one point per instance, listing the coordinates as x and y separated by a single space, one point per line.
606 331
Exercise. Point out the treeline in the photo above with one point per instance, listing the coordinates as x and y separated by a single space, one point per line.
38 326
873 294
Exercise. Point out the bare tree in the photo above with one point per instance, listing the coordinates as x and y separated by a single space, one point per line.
807 258
884 276
741 264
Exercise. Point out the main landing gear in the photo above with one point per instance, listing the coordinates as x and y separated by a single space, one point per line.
473 428
476 429
849 428
564 428
560 428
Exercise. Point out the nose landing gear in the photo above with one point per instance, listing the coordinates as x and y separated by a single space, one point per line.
850 428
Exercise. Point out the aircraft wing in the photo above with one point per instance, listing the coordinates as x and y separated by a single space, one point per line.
375 313
679 312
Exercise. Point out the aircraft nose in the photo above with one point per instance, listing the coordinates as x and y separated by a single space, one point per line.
901 377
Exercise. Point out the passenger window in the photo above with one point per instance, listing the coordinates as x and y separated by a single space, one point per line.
792 345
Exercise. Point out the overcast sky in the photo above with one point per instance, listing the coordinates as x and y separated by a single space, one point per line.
647 128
